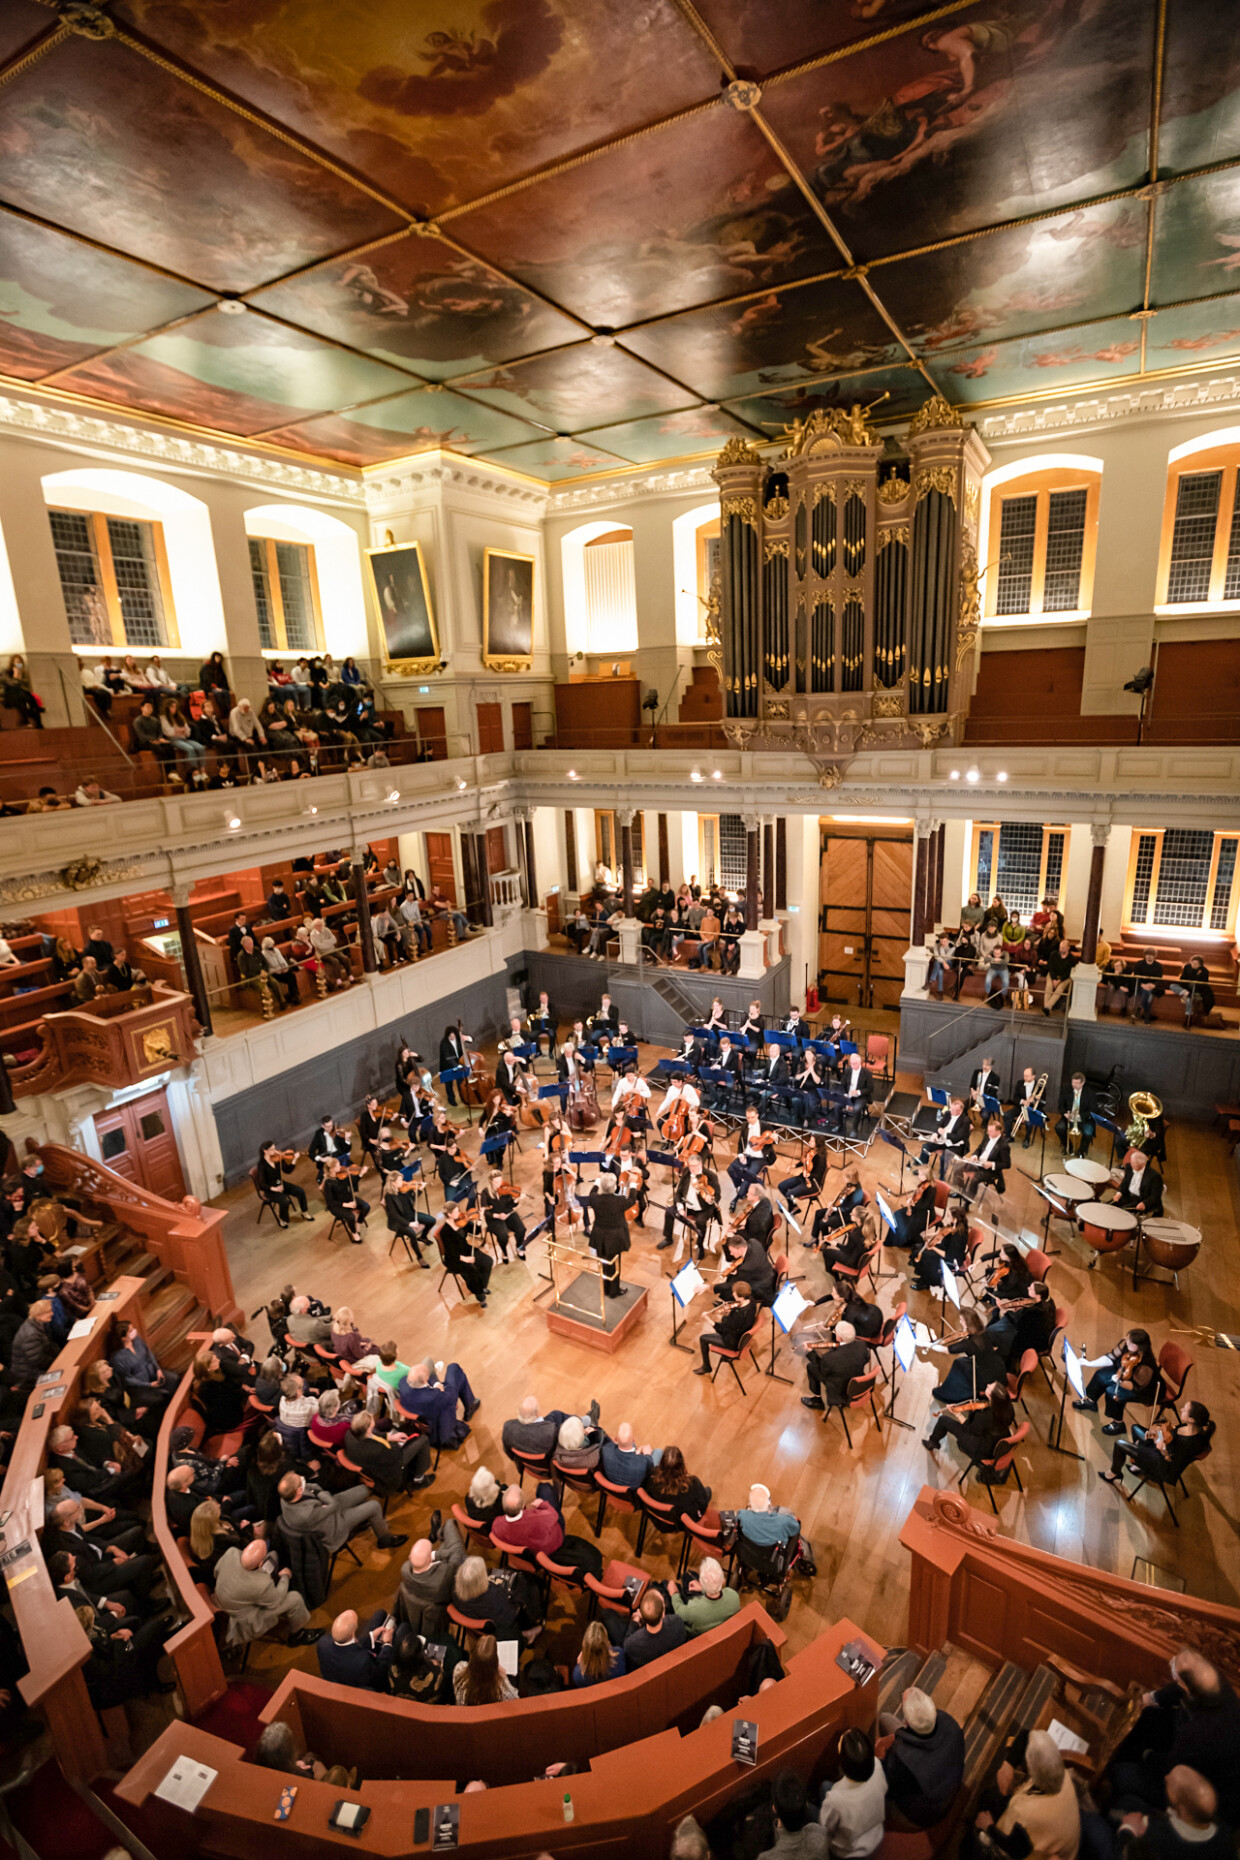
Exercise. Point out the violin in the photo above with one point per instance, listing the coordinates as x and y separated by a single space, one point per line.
968 1407
288 1156
1129 1363
1021 1304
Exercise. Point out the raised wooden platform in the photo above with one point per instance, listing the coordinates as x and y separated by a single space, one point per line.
574 1314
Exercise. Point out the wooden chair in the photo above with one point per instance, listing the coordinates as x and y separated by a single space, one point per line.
1039 1264
608 1592
663 1518
477 1535
1162 1484
265 1204
572 1479
1016 1383
538 1465
468 1624
994 1470
568 1575
709 1539
619 1497
1048 1354
1174 1367
732 1356
860 1390
362 1477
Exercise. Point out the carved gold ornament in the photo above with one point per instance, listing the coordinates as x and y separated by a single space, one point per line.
889 703
774 547
410 668
936 478
972 502
776 508
830 774
79 874
936 413
894 490
737 451
777 712
826 490
743 508
158 1048
893 533
508 665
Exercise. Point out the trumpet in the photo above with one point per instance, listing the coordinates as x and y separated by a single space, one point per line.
1032 1103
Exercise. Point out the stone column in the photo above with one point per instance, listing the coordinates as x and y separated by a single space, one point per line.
484 878
361 897
625 816
940 844
916 956
1083 1002
194 978
531 867
753 942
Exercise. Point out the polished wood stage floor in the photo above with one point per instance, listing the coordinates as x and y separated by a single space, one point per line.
851 1503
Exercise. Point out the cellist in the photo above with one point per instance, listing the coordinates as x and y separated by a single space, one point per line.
672 1117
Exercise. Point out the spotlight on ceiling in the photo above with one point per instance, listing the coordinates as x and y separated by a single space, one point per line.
972 774
1002 775
231 306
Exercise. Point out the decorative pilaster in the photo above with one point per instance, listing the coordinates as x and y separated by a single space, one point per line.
1083 1002
191 966
361 897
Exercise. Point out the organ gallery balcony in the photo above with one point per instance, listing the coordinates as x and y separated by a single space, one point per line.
114 1041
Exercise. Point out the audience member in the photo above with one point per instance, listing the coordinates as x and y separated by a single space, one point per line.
922 1752
598 1659
853 1808
256 1596
480 1680
654 1632
710 1600
347 1660
427 1579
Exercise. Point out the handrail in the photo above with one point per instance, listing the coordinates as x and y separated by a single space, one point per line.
192 1649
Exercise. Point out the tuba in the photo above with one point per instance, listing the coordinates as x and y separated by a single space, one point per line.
1144 1108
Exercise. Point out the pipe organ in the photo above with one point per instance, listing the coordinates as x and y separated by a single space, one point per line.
849 607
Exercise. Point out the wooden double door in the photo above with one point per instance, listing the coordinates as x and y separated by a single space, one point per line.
865 888
137 1141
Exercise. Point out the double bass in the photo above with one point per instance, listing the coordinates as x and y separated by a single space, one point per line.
583 1111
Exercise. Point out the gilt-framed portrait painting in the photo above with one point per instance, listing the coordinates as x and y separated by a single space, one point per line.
507 611
406 617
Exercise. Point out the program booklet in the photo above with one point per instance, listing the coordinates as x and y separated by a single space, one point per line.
744 1741
446 1827
856 1659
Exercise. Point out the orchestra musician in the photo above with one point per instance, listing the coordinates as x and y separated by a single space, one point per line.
755 1151
1076 1119
983 1173
1127 1373
858 1091
695 1202
452 1056
632 1178
392 1154
554 1147
1139 1187
811 1086
327 1143
1163 1451
450 1162
728 1061
604 1022
951 1133
680 1095
799 1029
755 1218
980 1429
753 1026
543 1025
829 1372
717 1022
369 1123
404 1218
849 1250
511 1079
1010 1277
912 1221
497 1119
273 1167
731 1327
794 1186
948 1240
977 1363
1026 1093
499 1201
1035 1320
777 1084
609 1231
842 1213
690 1054
984 1084
747 1263
343 1201
408 1070
456 1231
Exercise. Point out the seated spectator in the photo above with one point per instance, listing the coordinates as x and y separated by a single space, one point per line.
654 1632
87 980
1194 988
1187 1830
329 1422
102 1521
102 1568
672 1484
623 1461
508 1608
399 1463
922 1752
486 1498
709 1599
529 1527
95 687
120 975
532 1431
347 1341
209 1538
853 1809
349 1660
243 726
766 1527
1036 1813
220 1401
306 1326
17 694
798 1836
123 1661
255 1595
34 1347
90 794
427 1579
1195 1722
574 1450
263 1475
306 1510
135 1366
326 947
480 1680
181 1501
599 1659
147 734
432 1395
298 1407
271 1373
277 1750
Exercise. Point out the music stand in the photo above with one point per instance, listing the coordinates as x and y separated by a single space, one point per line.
456 1075
495 1146
785 1311
1118 1135
893 1142
903 1352
554 1091
684 1288
580 1157
949 1284
1037 1121
1071 1374
1053 1206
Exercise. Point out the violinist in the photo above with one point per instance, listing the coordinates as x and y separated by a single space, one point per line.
497 1120
755 1151
850 1244
747 1263
829 1372
543 1025
912 1221
369 1123
499 1200
753 1026
807 1182
1163 1451
408 1072
731 1328
981 1427
452 1056
1011 1276
273 1167
947 1240
977 1363
982 1173
554 1147
858 1091
327 1143
755 1217
604 1022
456 1231
344 1203
1128 1373
420 1117
609 1231
694 1203
404 1217
843 1213
450 1162
1035 1324
391 1153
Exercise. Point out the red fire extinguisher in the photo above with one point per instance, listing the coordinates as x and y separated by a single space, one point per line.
811 999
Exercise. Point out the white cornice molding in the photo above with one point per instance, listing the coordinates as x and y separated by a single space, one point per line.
1174 397
69 426
439 474
623 490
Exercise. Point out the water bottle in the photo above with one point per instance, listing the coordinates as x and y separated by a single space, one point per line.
568 1806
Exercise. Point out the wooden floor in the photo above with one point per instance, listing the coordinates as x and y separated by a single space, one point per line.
851 1504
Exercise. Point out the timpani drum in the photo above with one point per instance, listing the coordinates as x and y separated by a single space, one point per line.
1095 1173
1172 1244
1069 1188
1117 1225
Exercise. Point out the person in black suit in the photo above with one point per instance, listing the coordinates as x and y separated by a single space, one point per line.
858 1090
777 1087
326 1143
951 1135
690 1054
912 1221
452 1057
731 1326
347 1660
604 1022
748 1266
1140 1187
984 1084
759 1223
609 1231
984 1170
509 1074
1076 1108
399 1463
343 1202
726 1060
695 1200
1023 1097
829 1372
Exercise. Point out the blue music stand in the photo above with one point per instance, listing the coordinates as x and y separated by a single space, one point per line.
786 1040
495 1146
672 1068
848 1047
456 1075
620 1056
527 1050
824 1050
896 1143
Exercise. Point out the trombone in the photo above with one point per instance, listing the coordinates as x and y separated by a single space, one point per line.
1032 1103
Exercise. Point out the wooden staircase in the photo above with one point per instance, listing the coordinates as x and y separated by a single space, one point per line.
170 1309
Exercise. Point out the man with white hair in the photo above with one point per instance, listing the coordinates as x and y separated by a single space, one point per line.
922 1751
689 1841
255 1595
764 1524
532 1431
710 1600
1041 1813
304 1327
530 1527
829 1372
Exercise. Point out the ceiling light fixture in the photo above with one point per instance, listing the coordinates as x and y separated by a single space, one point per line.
393 795
972 775
231 306
234 821
312 809
572 774
718 775
955 775
696 775
1002 775
461 785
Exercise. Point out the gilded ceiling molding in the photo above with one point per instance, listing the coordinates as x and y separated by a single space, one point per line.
1174 397
439 474
623 490
42 420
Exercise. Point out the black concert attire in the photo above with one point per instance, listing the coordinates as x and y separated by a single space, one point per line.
911 1222
794 1186
1144 1193
1142 1384
272 1184
609 1235
451 1058
465 1258
958 1383
858 1091
1078 1105
729 1328
345 1204
950 1138
324 1145
503 1223
696 1199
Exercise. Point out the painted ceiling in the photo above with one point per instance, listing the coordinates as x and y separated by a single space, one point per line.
572 236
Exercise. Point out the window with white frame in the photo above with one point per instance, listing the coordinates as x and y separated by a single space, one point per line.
1019 861
114 580
1182 878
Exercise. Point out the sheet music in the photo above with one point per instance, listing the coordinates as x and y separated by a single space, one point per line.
687 1284
789 1306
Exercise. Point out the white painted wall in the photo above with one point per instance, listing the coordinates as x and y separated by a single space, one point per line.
957 842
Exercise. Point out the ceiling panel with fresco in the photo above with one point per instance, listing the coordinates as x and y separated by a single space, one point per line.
577 238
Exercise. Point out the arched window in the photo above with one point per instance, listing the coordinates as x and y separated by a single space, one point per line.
1039 539
600 594
306 572
695 565
1199 562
